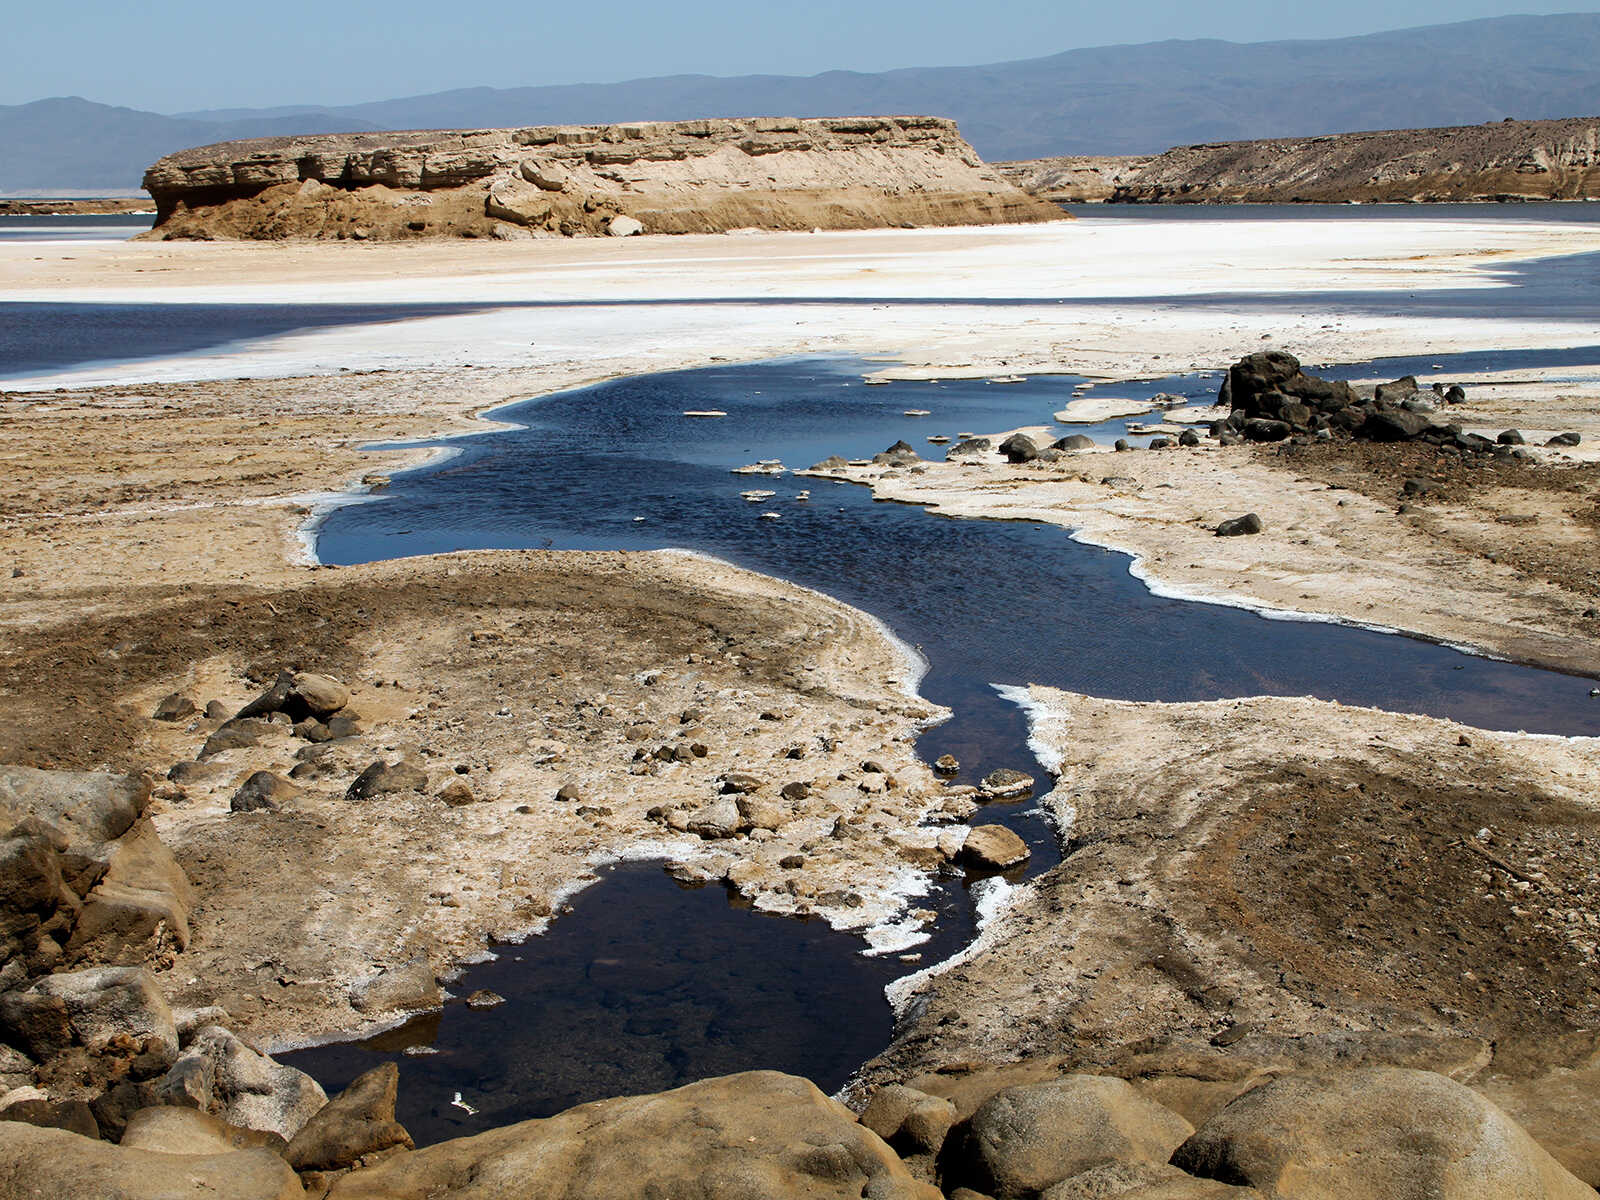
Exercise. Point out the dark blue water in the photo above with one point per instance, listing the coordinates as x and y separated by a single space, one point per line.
44 337
986 601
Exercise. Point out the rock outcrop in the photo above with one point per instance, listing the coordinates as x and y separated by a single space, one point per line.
655 177
83 876
1349 1134
1505 160
1074 179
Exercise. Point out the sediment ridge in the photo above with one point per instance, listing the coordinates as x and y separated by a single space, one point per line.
708 176
1506 160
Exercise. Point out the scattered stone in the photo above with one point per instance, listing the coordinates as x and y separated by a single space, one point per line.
406 987
756 812
1005 783
1019 448
457 793
796 791
1075 441
993 848
357 1122
1162 443
175 708
1260 429
569 793
312 730
1027 1138
1455 395
1188 438
1374 1132
383 779
237 734
1511 437
1393 393
947 764
621 226
792 862
165 1129
1565 439
483 998
716 819
979 445
263 790
1239 526
737 783
1122 444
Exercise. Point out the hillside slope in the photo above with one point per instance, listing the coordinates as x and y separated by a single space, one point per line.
1506 160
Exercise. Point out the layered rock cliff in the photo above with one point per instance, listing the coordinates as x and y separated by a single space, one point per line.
1508 160
1074 179
680 177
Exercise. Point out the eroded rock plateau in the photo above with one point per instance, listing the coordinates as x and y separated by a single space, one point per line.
706 176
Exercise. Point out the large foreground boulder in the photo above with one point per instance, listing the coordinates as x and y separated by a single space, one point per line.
52 1164
1024 1139
358 1122
758 1136
1385 1131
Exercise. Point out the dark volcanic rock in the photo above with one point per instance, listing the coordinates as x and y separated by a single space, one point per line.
1236 526
263 790
383 778
1019 448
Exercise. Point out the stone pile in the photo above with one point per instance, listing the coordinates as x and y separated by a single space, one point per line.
1271 399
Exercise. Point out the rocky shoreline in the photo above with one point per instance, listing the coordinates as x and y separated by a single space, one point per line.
1502 161
1204 1000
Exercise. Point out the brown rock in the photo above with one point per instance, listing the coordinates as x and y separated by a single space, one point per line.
457 793
1026 1138
912 1122
993 848
759 1136
66 1166
165 1129
1383 1131
357 1122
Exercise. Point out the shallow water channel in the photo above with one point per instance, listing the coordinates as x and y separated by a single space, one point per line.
643 984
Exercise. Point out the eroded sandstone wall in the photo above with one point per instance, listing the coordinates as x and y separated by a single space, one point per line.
680 177
1506 160
1074 179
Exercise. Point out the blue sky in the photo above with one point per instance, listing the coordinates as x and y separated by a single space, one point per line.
173 55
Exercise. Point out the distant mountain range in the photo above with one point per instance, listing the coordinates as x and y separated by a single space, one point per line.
1108 100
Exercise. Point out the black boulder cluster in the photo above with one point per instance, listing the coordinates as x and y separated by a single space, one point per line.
1271 400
